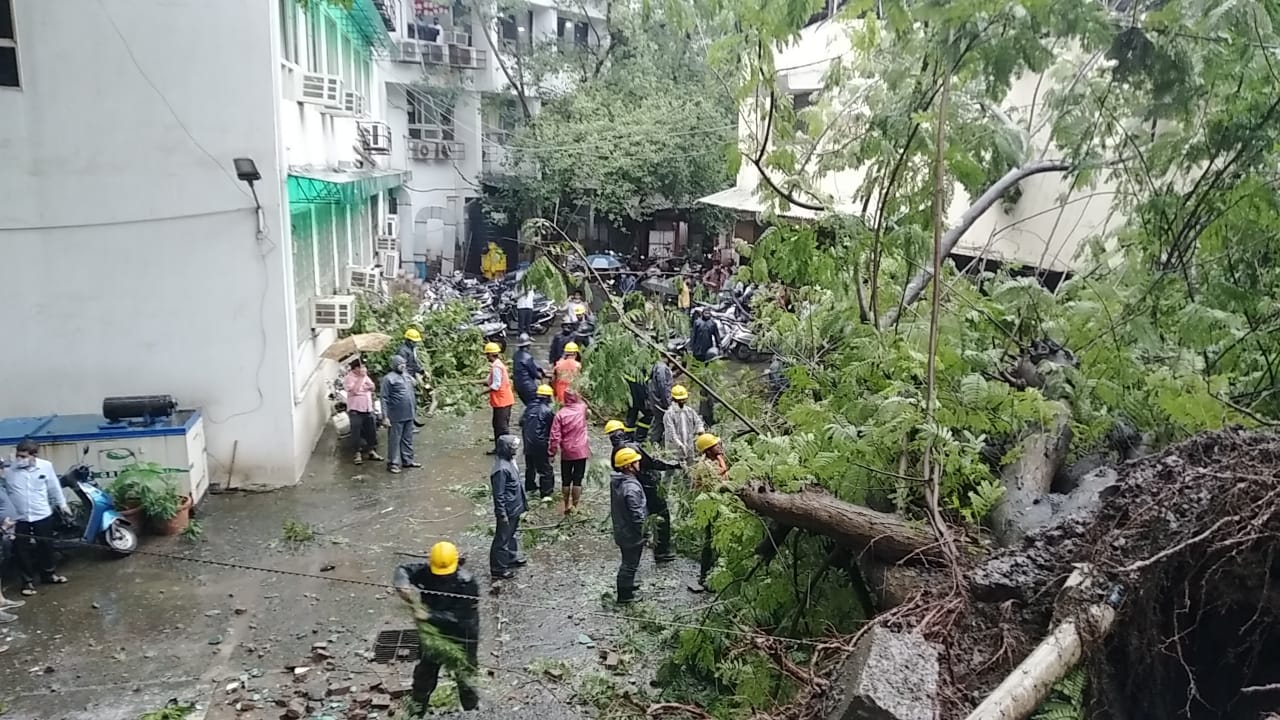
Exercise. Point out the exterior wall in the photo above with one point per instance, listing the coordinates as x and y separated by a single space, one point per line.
1045 228
133 265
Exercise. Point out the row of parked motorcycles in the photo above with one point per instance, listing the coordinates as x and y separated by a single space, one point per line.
496 315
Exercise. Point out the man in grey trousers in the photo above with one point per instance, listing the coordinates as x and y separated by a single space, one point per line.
399 409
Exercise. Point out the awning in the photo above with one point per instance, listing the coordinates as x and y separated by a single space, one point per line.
748 200
321 186
362 22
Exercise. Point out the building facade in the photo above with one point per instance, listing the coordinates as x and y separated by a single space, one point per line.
138 260
1044 229
451 102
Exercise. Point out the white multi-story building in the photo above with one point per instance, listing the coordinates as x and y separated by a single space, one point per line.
1044 228
137 260
451 106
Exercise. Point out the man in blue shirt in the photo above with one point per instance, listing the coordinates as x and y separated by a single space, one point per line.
35 493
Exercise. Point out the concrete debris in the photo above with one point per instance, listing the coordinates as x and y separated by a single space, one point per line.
889 676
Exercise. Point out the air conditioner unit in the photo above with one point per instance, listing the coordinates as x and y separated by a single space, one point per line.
390 262
454 37
424 150
333 311
318 89
391 226
383 243
426 132
353 103
409 51
362 278
376 138
435 54
461 57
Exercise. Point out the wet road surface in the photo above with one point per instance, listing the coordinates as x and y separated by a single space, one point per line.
127 635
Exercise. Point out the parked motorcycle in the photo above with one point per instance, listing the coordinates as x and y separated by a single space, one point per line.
94 518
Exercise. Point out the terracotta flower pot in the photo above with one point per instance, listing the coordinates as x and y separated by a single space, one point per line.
175 524
133 516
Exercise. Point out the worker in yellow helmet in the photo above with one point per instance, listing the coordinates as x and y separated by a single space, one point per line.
681 424
448 597
566 370
535 426
409 351
712 452
498 387
655 503
493 264
627 511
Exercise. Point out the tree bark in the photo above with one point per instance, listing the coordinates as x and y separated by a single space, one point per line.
1029 478
915 288
886 537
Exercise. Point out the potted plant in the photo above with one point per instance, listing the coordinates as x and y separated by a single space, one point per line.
145 490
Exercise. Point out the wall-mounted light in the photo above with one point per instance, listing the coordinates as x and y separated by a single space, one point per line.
247 170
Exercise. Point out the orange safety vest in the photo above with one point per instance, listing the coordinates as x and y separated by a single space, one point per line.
502 397
565 371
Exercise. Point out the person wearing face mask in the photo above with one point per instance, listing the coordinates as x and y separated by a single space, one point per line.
35 493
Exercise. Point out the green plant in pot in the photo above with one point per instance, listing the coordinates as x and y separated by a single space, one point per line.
146 490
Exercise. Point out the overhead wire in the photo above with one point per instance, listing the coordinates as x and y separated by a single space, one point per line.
480 600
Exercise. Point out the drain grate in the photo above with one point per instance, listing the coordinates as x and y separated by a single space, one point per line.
400 645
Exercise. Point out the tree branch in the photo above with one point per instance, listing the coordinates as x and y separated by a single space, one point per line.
915 288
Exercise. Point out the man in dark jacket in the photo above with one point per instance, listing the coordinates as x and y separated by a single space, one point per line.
706 335
564 337
398 407
661 380
627 512
535 426
525 371
508 506
448 598
655 504
409 351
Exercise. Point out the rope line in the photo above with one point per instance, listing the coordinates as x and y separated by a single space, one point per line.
440 593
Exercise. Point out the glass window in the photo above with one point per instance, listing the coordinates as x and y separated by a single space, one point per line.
331 48
304 269
330 228
288 30
8 46
314 48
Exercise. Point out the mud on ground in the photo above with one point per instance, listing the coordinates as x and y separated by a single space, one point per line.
127 635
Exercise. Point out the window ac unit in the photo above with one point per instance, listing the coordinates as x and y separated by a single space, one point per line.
454 37
333 311
461 57
390 262
386 244
426 132
362 278
435 54
391 226
319 89
424 150
376 138
353 103
409 51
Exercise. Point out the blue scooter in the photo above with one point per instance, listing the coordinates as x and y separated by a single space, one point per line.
96 520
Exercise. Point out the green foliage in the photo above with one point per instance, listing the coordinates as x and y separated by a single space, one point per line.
193 532
545 278
298 532
147 485
1067 702
173 710
450 348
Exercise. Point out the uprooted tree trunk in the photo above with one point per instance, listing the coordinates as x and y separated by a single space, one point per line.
1028 479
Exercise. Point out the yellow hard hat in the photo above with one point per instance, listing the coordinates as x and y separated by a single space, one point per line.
613 426
546 391
571 347
443 558
679 392
705 441
579 310
492 349
624 457
413 334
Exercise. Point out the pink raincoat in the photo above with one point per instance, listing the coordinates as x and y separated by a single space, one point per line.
569 430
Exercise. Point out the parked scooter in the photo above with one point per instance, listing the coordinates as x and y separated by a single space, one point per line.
95 520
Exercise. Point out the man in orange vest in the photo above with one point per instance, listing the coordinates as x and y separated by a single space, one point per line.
565 371
501 396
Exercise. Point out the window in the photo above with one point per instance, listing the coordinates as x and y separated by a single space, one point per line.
288 30
427 110
332 48
304 269
580 33
800 101
662 240
8 46
331 227
510 29
314 49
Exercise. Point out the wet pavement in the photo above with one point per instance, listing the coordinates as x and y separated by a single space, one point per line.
127 635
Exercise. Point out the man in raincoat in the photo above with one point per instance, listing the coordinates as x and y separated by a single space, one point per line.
655 503
508 506
526 371
681 425
535 426
409 351
398 407
712 452
493 264
627 513
660 381
448 598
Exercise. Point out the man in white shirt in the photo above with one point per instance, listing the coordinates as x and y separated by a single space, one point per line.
524 311
34 491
